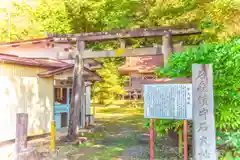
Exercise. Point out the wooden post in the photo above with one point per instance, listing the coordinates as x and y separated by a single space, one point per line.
180 140
53 136
77 93
83 108
167 46
82 111
204 131
185 138
21 133
152 147
88 99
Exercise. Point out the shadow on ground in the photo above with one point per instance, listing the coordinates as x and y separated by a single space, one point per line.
119 134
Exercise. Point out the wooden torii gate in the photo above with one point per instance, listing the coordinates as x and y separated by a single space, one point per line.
165 49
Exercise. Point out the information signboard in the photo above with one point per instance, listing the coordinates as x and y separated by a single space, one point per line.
168 101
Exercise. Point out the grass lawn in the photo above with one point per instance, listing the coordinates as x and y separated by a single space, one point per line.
120 122
119 134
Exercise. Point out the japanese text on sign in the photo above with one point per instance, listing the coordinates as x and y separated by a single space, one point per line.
168 101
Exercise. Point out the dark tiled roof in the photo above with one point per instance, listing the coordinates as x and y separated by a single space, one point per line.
145 64
47 63
142 64
54 66
36 40
52 72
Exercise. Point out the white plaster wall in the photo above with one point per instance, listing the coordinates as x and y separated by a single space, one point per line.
22 91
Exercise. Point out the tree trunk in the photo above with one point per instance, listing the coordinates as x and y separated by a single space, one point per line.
76 94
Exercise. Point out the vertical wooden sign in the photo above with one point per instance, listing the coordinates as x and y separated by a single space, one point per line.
21 133
204 132
88 100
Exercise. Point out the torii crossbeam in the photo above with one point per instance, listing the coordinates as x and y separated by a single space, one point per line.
78 100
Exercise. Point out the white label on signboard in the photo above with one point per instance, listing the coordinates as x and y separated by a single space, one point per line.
168 101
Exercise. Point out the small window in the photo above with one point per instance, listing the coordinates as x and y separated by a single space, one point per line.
60 95
63 119
135 78
70 96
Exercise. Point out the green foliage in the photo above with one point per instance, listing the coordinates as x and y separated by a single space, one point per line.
163 126
52 16
225 58
19 24
217 18
112 87
230 145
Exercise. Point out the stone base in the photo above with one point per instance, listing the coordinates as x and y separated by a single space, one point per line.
81 140
29 154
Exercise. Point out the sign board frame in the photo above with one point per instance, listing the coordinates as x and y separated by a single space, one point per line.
168 101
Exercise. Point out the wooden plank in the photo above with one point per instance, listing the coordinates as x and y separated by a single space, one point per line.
88 100
21 133
62 83
204 131
76 93
167 47
129 52
122 34
83 108
88 63
66 74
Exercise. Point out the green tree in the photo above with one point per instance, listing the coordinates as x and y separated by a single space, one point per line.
216 18
112 87
19 23
53 16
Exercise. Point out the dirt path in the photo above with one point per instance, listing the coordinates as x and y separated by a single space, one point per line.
134 143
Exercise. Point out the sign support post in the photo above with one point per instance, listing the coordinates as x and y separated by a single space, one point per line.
152 139
180 139
185 139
